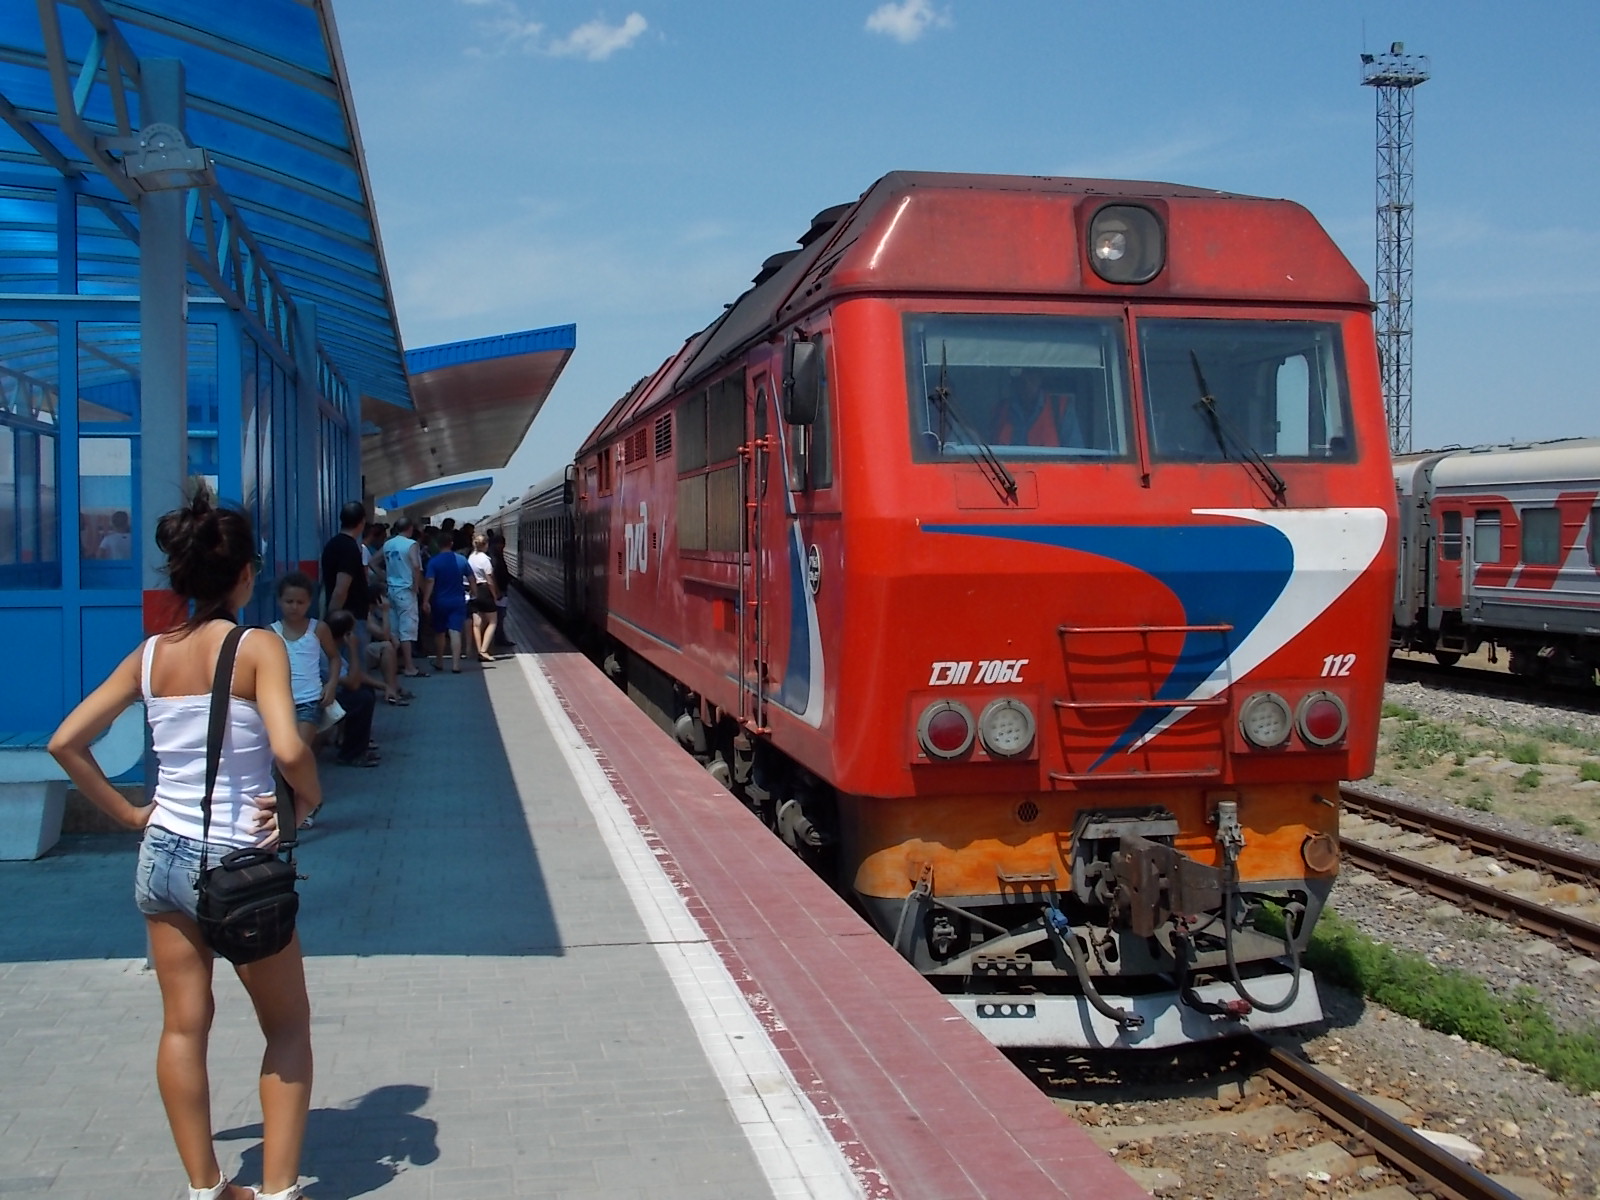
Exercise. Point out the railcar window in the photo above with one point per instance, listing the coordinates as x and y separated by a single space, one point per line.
1594 537
1030 387
1450 537
810 446
1486 535
1280 385
1541 537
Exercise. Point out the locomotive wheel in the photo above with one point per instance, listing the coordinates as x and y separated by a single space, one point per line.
1446 658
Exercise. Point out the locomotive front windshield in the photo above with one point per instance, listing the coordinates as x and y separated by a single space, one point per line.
1214 389
1023 387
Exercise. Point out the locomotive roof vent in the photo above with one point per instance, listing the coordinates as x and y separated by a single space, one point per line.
773 265
824 221
1126 244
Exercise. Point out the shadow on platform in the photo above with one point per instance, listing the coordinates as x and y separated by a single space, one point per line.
427 853
359 1149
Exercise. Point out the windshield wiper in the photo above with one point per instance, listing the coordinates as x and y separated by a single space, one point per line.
979 450
1223 431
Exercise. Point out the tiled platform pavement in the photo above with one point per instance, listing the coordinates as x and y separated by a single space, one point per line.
504 1007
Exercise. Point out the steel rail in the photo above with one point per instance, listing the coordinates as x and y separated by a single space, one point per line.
1573 932
1563 864
1443 1173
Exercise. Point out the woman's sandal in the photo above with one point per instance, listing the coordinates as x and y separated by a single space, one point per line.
398 701
220 1189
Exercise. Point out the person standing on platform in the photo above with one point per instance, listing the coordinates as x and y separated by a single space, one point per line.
344 575
502 589
403 568
445 587
212 565
485 602
311 649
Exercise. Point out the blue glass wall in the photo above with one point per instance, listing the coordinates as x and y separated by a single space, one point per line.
71 555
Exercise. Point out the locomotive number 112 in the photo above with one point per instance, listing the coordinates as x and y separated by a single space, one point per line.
1338 664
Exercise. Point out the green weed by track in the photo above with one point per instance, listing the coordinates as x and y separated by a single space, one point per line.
1452 1001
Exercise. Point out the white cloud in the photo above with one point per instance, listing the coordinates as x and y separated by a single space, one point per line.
597 41
506 27
906 21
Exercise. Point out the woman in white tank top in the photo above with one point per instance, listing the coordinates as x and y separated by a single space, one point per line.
212 565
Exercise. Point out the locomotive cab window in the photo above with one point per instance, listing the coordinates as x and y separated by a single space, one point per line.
1023 387
1486 535
1541 537
1221 389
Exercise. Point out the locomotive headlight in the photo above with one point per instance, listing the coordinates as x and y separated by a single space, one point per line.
1006 728
1111 244
1265 720
946 729
1126 244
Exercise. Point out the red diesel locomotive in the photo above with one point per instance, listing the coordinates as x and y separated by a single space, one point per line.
1018 549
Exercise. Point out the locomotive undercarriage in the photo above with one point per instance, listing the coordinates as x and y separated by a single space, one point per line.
1142 946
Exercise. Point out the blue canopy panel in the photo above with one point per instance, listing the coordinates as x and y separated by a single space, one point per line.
474 401
268 98
419 502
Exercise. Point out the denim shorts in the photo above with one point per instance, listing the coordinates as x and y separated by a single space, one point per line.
169 872
310 711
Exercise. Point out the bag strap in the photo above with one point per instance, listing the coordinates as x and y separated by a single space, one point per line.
221 687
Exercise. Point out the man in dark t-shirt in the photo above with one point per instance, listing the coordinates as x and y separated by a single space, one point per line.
344 577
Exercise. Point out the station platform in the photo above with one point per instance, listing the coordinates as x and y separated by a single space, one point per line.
548 956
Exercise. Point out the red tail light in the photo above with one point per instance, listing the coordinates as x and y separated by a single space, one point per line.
946 729
1322 718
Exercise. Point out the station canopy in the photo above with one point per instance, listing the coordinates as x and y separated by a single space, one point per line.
474 402
284 216
421 502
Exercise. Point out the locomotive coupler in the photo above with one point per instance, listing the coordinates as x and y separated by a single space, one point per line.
1154 881
1067 942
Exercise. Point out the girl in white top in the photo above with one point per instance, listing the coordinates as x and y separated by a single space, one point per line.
212 566
310 647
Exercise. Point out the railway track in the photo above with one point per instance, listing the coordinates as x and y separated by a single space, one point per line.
1577 933
1408 1151
1312 1133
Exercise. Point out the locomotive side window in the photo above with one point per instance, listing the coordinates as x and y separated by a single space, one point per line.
710 432
1450 537
1541 537
1278 386
810 450
1023 387
1486 535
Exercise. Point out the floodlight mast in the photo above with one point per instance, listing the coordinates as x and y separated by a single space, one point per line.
1395 75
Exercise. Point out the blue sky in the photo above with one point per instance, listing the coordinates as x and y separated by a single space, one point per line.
627 168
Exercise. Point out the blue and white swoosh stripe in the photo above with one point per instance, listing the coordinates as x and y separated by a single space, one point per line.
1268 577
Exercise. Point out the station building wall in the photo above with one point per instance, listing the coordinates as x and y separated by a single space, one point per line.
71 428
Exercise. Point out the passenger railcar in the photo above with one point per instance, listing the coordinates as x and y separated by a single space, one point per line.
1500 546
1019 549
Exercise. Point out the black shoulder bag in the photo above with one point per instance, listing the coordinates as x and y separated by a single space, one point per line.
248 902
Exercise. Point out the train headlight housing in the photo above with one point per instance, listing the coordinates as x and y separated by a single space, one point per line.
1006 728
1322 718
946 729
1126 244
1265 720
